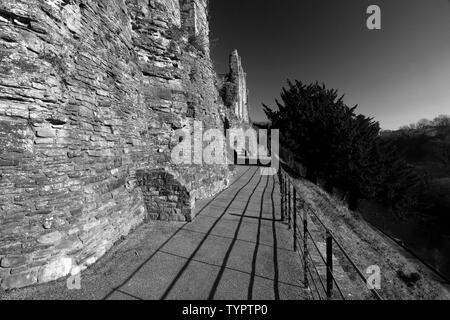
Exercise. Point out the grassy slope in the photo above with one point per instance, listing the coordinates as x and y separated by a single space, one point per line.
367 247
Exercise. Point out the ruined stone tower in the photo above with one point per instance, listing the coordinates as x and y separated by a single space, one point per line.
91 95
237 71
234 88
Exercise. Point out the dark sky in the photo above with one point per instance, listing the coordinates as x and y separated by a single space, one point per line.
398 75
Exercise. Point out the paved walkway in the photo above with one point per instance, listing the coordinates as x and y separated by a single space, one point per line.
235 249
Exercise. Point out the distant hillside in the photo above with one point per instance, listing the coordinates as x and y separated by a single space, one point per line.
428 148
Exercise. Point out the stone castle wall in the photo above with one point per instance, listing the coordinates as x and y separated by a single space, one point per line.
91 94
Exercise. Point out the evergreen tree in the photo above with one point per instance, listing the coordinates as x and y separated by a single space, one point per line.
341 147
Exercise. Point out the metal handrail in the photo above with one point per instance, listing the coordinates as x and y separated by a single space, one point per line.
361 275
286 185
333 278
317 271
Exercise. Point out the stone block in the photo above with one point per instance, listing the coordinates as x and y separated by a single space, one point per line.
45 133
13 261
20 280
71 243
58 268
44 141
9 162
50 238
4 272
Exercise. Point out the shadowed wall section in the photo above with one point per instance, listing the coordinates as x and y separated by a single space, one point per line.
165 197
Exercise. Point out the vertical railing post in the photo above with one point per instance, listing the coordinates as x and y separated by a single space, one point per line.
289 203
283 196
305 246
295 220
329 249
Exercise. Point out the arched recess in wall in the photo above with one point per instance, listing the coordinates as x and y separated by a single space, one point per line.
165 197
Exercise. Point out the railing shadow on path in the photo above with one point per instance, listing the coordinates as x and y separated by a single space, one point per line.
270 185
185 266
118 288
233 242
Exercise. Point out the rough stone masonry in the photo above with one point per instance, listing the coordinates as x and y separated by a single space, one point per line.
91 94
